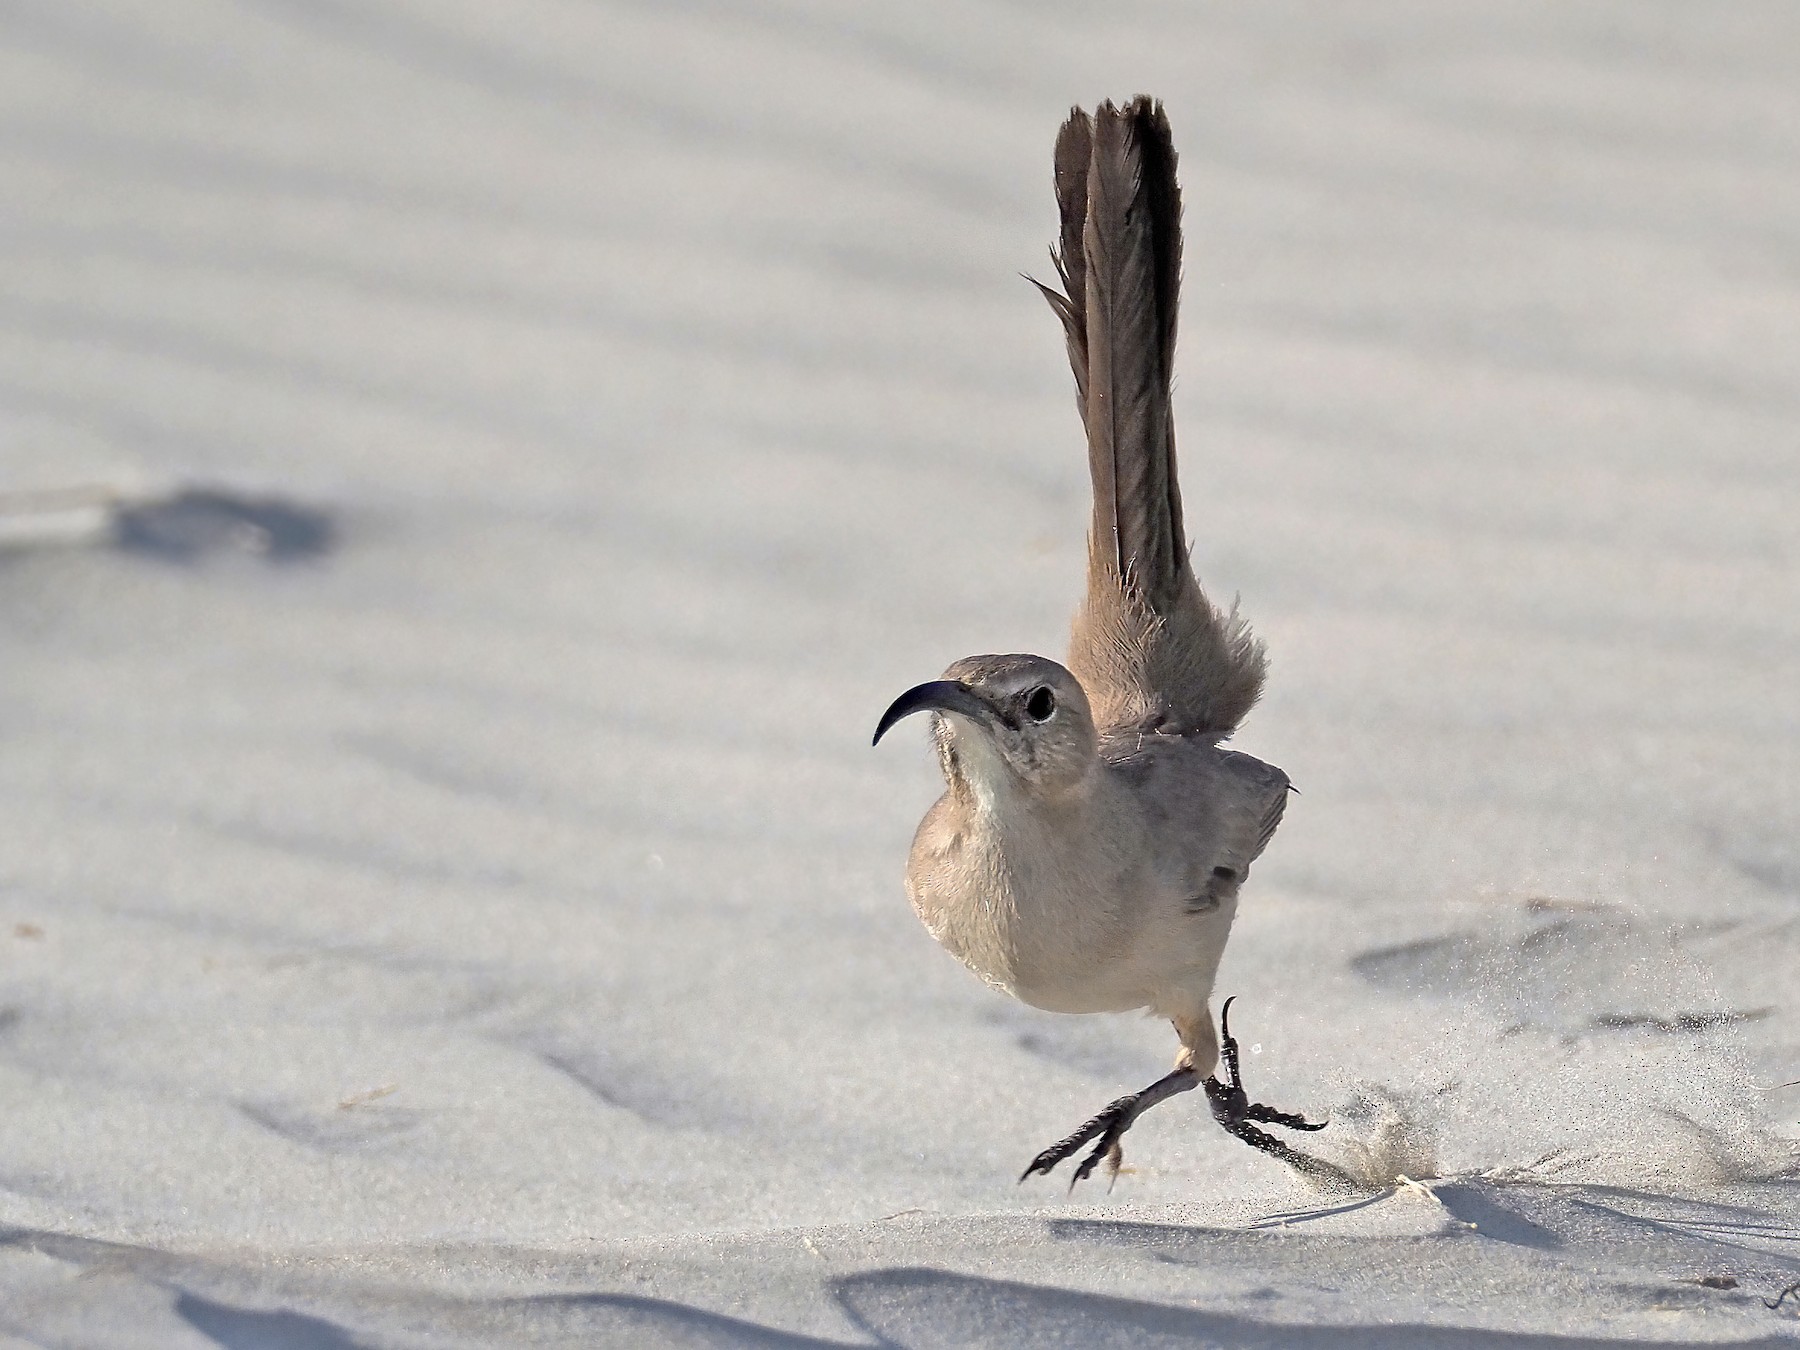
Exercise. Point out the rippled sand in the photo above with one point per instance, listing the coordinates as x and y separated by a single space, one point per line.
471 476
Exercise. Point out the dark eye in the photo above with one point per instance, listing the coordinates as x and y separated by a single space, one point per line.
1041 704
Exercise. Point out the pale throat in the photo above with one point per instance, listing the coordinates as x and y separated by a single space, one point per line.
970 757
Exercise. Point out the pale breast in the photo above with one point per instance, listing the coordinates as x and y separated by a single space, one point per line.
1030 912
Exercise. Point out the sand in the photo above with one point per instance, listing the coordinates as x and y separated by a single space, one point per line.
471 476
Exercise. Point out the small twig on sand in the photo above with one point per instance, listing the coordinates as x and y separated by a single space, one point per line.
1714 1281
357 1099
1423 1190
42 501
1781 1298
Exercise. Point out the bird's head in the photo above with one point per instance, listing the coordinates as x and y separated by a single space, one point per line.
1005 721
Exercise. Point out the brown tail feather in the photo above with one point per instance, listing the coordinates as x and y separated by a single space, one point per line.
1074 151
1151 650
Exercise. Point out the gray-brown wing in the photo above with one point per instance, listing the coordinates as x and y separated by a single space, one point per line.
1271 821
1211 811
1151 650
1259 799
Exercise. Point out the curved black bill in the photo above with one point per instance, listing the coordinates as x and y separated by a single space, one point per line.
935 696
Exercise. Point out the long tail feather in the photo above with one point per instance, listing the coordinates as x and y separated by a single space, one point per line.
1149 647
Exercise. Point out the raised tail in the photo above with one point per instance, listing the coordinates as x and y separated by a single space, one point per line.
1151 650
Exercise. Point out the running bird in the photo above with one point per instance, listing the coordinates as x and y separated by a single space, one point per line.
1088 852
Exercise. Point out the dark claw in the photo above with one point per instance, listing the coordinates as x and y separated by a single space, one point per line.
1268 1143
1305 1164
1109 1127
1109 1144
1228 1046
1047 1161
1270 1116
1232 1107
1263 1140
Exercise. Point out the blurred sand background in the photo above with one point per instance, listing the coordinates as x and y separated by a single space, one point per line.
471 475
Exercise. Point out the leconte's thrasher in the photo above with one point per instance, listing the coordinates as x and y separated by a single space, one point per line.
1088 852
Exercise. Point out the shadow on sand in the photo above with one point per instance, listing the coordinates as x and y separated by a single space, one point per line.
902 1309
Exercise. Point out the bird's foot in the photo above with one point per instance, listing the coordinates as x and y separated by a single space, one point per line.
1107 1129
1235 1112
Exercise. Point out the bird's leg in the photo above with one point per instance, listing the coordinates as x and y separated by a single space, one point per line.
1110 1126
1233 1109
